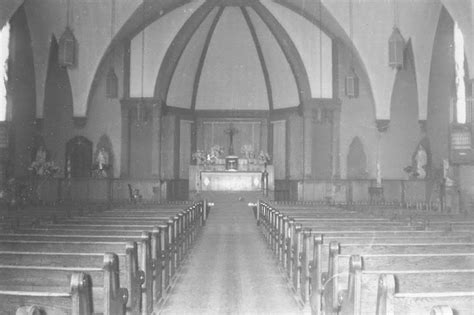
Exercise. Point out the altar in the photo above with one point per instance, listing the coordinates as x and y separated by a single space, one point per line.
217 178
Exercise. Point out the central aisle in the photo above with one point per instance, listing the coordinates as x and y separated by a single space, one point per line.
230 270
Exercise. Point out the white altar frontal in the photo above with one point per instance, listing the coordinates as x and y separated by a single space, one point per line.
217 178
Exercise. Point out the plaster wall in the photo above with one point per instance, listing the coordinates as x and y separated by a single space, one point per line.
168 146
140 150
158 37
441 90
295 146
357 118
314 47
91 24
21 95
104 113
232 76
400 141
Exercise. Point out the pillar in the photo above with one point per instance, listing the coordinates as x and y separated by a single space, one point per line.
156 141
307 142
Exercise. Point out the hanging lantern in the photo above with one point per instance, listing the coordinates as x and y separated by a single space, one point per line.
352 84
396 46
67 49
111 87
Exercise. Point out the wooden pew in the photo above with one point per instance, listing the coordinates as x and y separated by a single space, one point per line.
380 257
47 284
292 242
72 297
416 291
390 301
162 269
151 248
133 274
170 240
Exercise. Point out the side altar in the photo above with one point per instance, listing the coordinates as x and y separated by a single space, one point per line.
247 177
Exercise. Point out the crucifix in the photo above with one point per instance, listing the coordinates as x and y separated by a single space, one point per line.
231 131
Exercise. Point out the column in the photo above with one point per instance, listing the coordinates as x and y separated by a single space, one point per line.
307 142
125 154
156 141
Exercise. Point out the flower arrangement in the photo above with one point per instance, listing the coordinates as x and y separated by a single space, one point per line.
43 168
247 151
216 151
264 157
199 156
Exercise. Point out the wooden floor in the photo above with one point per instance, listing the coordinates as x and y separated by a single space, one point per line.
230 270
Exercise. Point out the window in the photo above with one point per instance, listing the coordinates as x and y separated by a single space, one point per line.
461 115
4 42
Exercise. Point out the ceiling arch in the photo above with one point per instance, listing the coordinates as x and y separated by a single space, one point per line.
136 14
181 89
177 48
270 64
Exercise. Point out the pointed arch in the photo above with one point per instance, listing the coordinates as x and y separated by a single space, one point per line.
78 157
356 160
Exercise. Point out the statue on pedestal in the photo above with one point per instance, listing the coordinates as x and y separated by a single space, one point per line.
421 159
102 163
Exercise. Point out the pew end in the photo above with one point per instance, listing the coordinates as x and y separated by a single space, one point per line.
390 301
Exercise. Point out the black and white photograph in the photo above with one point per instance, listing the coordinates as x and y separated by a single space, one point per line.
254 157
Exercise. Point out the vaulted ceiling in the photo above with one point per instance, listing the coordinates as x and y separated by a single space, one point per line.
373 21
231 58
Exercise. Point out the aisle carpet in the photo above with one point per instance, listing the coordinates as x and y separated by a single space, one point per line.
230 270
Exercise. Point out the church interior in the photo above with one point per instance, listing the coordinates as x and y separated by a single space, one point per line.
236 156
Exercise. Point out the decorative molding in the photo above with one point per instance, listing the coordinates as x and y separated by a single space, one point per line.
283 113
236 3
322 103
79 122
182 112
232 113
147 101
382 124
261 58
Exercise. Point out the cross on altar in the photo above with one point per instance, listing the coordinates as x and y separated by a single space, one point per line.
231 131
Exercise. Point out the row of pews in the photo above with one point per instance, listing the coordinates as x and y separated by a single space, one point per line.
118 261
341 261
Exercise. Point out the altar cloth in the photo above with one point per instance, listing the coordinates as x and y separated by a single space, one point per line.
231 181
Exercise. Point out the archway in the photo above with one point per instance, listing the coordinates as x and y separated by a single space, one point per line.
78 157
356 160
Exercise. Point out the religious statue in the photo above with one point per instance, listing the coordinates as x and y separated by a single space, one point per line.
231 131
421 159
102 162
40 155
39 163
